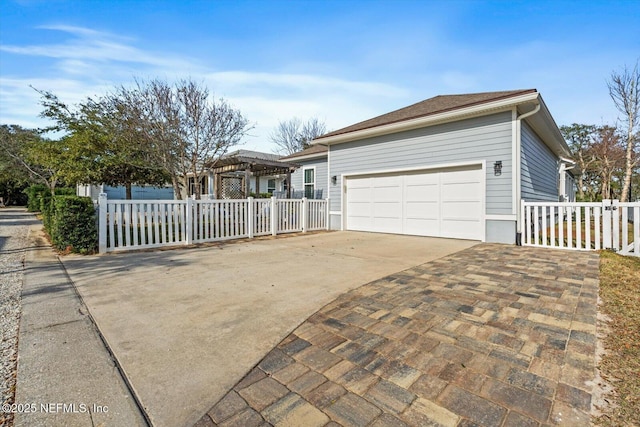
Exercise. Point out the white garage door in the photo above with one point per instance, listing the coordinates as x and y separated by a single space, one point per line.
439 203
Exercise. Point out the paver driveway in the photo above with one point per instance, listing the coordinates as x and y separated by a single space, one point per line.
494 335
187 324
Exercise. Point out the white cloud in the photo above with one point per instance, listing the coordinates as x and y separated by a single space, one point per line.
101 47
299 82
92 62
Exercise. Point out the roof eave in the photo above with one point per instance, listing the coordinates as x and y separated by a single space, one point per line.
432 119
544 124
307 156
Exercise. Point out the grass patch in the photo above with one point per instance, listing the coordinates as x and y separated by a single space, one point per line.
620 295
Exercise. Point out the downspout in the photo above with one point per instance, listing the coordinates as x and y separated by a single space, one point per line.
562 169
328 195
518 170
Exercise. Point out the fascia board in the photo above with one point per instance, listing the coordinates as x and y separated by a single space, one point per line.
447 116
307 157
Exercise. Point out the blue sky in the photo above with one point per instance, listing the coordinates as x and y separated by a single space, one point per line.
341 61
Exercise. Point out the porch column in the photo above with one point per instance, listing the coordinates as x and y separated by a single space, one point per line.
288 183
247 183
210 185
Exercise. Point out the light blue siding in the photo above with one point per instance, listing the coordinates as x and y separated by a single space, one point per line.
539 167
320 165
140 192
487 138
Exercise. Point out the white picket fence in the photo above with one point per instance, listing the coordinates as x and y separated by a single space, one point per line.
140 224
609 224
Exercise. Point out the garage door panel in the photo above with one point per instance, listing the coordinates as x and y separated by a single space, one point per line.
360 209
460 175
422 210
461 209
441 203
387 210
461 192
360 195
386 225
421 227
387 194
420 193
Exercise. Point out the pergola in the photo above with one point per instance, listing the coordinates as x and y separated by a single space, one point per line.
250 163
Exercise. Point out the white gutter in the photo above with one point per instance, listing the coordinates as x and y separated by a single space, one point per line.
518 166
431 119
530 113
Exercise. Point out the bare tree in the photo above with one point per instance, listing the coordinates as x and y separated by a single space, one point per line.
579 137
208 128
623 89
185 129
610 156
293 135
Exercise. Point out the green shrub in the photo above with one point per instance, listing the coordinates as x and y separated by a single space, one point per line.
46 210
261 195
73 224
34 194
65 191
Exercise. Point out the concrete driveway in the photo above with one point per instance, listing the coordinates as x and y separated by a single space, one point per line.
188 324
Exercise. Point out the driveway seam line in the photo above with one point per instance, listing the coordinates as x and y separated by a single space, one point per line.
112 355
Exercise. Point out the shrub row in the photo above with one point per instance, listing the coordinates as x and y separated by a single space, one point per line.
70 220
39 196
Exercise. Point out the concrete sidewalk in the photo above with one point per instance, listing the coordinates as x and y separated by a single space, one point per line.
66 376
187 324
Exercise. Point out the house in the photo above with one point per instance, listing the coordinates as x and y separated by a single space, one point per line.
241 173
235 175
311 177
453 166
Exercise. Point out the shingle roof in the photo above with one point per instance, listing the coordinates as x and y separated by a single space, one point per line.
253 154
314 149
437 104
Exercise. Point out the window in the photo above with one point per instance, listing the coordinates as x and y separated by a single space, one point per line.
309 183
192 186
271 186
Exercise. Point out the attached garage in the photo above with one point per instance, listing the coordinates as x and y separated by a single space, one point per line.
445 202
453 166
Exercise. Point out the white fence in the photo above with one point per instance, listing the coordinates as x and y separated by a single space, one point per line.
609 224
140 224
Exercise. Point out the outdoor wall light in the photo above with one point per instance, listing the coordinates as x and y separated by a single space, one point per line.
497 168
334 179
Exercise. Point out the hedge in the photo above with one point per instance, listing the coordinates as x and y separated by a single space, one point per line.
73 224
34 194
37 192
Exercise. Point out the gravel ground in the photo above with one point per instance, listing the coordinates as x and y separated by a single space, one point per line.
14 228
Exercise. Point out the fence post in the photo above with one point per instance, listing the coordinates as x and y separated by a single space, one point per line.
305 212
189 221
606 224
274 216
615 217
326 214
102 223
250 217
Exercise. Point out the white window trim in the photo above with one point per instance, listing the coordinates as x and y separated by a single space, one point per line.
275 185
304 184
